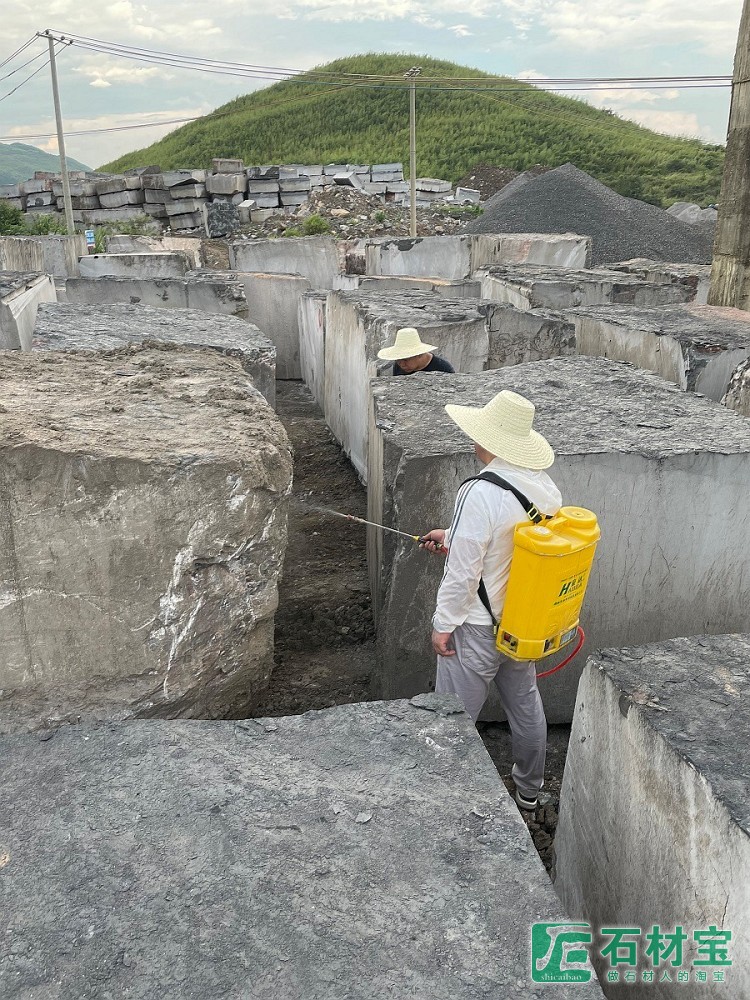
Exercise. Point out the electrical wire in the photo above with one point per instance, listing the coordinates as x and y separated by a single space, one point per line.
29 77
18 52
23 65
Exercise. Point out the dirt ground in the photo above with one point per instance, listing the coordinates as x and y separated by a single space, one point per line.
325 636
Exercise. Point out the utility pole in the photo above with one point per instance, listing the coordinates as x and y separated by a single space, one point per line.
730 273
60 137
411 75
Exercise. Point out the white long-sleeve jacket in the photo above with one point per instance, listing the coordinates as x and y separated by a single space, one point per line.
480 542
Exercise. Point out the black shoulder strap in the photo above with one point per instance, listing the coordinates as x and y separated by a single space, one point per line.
531 509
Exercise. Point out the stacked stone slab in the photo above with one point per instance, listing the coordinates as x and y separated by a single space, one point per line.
658 769
529 286
143 530
666 472
20 297
696 347
365 851
66 327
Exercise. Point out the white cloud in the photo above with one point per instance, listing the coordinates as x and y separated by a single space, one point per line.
460 31
680 123
121 72
100 83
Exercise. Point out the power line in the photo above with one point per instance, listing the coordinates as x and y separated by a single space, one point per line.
22 66
18 52
29 77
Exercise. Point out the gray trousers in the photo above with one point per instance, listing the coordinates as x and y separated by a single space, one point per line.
468 675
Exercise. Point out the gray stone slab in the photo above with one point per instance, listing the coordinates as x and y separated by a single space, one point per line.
696 347
222 218
658 769
536 286
365 851
119 199
212 292
666 472
273 305
20 296
66 327
738 392
226 183
695 276
143 529
141 264
314 257
21 253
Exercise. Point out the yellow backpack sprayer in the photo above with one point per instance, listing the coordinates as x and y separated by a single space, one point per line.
549 572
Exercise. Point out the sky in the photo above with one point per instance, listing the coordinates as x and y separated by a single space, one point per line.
532 39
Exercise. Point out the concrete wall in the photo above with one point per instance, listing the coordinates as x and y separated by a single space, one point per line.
135 265
629 446
696 347
312 337
534 287
20 297
66 327
273 306
223 294
314 257
142 528
358 325
654 823
21 253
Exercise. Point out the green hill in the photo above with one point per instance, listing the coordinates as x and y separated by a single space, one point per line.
18 162
329 116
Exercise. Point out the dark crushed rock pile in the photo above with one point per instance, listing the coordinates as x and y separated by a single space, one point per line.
567 200
488 180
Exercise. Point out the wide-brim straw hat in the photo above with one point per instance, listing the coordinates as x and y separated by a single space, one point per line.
504 428
406 345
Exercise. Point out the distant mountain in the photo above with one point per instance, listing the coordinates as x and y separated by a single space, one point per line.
18 162
356 110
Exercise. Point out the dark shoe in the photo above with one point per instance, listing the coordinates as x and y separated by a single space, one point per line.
529 805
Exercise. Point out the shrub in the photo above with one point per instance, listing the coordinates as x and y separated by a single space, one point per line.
292 231
315 225
11 220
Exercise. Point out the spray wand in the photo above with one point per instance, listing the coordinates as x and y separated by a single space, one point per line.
373 524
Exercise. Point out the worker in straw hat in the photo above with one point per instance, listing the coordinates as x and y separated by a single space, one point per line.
409 355
480 546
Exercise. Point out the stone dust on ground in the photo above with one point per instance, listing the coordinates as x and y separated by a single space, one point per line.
325 636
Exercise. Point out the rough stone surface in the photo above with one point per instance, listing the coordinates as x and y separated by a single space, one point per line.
222 218
208 292
135 265
66 327
738 392
20 297
567 200
365 851
666 472
21 253
519 335
533 286
658 769
696 347
314 257
142 528
695 276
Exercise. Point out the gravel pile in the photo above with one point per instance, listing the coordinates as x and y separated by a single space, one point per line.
567 200
488 179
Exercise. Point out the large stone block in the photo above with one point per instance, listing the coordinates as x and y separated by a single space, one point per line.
359 324
535 286
61 254
115 185
516 336
365 851
695 277
20 297
666 472
737 396
143 530
212 293
135 265
314 257
696 347
312 340
658 770
119 199
222 218
66 327
273 305
21 253
456 257
226 183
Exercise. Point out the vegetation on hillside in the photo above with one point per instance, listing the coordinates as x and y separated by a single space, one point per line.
18 162
341 121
